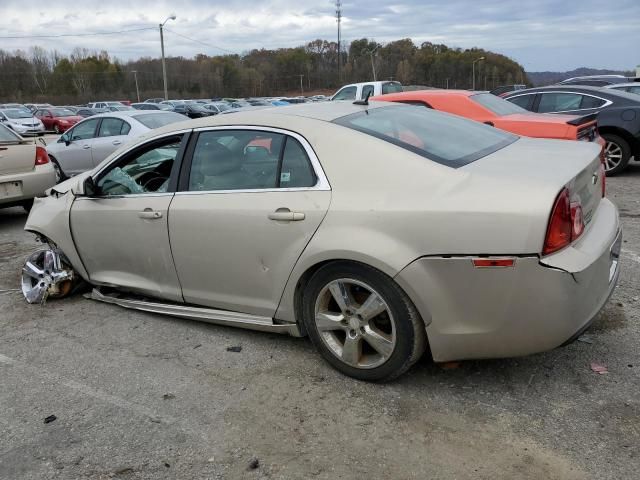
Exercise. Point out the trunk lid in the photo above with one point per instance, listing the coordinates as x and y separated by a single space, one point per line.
553 165
16 158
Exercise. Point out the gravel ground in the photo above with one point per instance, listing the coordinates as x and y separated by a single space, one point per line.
140 396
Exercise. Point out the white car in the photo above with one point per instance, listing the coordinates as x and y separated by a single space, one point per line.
92 140
104 104
360 91
21 121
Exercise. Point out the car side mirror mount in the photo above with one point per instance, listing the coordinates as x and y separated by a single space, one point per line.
66 139
89 188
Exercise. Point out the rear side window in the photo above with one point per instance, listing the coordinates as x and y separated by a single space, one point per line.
447 139
366 90
591 102
391 87
296 170
111 127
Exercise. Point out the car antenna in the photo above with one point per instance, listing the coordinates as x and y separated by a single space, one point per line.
364 102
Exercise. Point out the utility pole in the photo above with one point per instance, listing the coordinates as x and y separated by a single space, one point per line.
135 76
164 66
473 68
301 85
339 20
447 83
373 66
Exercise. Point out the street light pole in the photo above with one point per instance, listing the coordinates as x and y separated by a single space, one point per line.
164 66
135 76
373 65
473 68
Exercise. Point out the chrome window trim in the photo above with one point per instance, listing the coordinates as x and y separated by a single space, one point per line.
137 145
322 184
606 102
130 195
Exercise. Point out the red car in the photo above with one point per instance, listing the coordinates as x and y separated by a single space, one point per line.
499 113
57 119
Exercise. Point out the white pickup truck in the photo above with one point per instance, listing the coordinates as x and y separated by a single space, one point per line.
359 91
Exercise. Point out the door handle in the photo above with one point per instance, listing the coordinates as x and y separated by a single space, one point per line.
149 214
86 147
286 215
116 142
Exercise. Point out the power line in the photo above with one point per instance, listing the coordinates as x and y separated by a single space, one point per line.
198 41
8 37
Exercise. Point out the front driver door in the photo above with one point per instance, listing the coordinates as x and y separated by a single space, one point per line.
121 234
250 201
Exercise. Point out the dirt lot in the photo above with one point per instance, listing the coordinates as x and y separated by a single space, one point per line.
144 396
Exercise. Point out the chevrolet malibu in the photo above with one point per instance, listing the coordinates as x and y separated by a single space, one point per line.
379 230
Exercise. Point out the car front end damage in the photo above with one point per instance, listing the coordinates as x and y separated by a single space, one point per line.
484 310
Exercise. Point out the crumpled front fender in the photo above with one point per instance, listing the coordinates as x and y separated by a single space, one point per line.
49 217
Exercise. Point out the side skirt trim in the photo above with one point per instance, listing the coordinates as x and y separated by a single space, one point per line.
209 315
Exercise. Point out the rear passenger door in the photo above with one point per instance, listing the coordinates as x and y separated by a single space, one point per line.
249 201
112 133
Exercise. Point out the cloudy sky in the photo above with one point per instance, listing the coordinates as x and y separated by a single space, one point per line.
540 34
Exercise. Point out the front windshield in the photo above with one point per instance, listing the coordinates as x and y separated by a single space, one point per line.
198 108
429 133
15 113
62 112
497 105
160 119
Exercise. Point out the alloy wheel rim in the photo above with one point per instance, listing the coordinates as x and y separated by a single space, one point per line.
40 272
612 155
355 323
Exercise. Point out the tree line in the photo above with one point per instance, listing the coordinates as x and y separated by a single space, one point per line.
39 75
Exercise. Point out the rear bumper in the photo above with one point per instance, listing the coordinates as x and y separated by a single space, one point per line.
27 185
537 305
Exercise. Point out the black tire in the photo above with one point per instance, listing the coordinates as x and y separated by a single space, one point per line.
27 205
60 176
410 333
619 143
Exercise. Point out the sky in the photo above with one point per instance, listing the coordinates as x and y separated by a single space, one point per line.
555 35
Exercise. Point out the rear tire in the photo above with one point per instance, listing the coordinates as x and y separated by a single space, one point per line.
27 205
373 332
60 176
617 153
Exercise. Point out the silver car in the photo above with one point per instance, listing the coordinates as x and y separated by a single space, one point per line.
92 140
375 229
21 121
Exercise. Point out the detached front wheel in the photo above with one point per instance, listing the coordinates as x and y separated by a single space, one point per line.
362 322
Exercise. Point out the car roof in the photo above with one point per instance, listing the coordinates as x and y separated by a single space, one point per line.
368 83
609 93
615 86
435 92
124 114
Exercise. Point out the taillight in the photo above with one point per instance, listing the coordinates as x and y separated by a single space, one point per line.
41 156
565 225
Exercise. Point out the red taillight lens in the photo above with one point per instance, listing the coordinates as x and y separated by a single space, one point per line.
41 156
565 225
560 225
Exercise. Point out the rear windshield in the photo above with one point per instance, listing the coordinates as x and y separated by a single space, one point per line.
7 135
497 105
156 120
443 138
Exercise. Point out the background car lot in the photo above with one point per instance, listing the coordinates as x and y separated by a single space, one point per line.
145 396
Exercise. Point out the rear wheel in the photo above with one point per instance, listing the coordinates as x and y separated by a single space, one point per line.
362 322
60 176
617 154
27 205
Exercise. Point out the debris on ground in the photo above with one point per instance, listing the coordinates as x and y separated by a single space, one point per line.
168 396
585 339
600 369
50 419
235 348
253 463
197 346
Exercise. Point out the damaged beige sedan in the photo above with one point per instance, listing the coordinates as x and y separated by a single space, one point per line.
380 231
